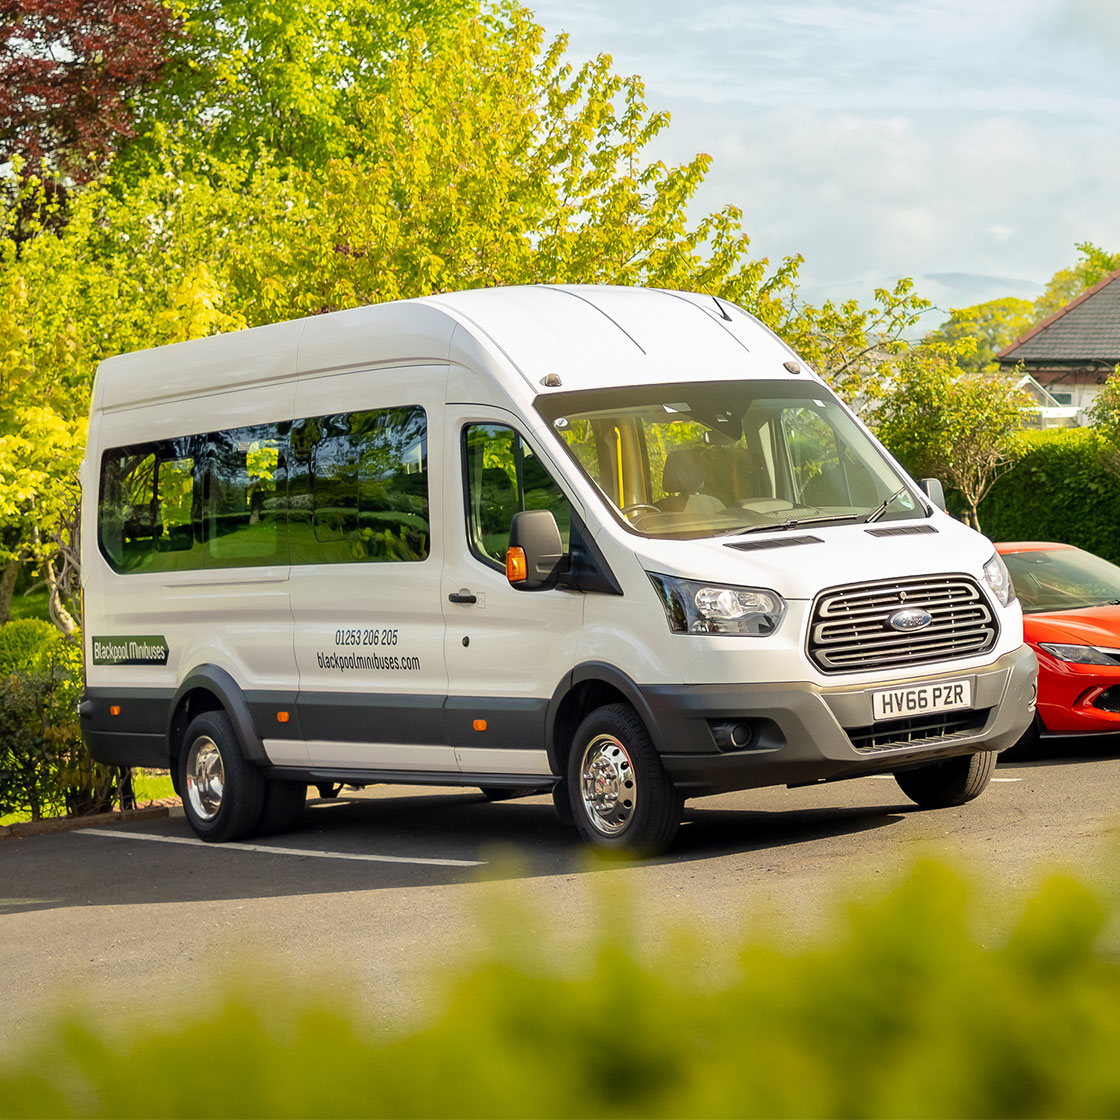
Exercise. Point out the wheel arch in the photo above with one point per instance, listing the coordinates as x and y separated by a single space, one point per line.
210 688
589 686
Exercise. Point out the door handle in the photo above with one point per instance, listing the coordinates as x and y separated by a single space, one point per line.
463 595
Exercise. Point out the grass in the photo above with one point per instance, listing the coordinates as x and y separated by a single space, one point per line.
147 787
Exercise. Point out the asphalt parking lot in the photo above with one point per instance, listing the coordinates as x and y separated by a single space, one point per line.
381 889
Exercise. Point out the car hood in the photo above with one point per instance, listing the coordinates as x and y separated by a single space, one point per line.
1090 626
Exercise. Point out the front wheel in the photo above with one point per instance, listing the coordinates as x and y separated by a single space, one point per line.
223 794
938 785
622 800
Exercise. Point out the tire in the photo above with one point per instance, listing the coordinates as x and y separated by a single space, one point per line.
954 781
223 794
506 793
1027 746
621 798
283 806
562 803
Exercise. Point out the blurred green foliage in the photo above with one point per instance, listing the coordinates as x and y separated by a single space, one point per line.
45 769
1065 487
900 1010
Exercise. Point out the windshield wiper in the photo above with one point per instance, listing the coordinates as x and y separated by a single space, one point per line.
792 523
884 505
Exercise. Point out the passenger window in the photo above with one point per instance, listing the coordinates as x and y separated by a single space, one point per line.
503 477
246 498
146 513
359 487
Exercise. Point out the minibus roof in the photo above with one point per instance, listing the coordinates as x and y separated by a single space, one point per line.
584 336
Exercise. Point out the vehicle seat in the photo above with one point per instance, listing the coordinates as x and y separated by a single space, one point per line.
683 483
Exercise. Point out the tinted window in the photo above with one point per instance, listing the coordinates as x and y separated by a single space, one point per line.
146 518
345 488
359 487
503 476
245 497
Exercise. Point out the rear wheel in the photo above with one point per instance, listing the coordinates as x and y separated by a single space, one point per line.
223 795
622 800
953 781
506 793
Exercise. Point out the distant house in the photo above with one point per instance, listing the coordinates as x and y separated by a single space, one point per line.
1048 412
1072 353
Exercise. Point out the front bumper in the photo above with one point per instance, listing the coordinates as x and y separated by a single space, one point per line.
800 733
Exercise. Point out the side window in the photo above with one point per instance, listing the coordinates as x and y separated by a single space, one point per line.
146 508
245 497
503 476
359 487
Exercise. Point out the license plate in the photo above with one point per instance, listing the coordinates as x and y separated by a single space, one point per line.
901 703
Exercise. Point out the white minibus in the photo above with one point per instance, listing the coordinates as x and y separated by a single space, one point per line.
618 544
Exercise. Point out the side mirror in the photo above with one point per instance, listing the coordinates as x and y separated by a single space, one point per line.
535 557
933 490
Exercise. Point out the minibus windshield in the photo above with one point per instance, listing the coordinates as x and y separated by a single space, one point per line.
697 459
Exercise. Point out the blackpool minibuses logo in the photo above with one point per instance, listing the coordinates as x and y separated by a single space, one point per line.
142 649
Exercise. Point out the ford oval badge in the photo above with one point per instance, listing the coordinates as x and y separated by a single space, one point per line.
909 619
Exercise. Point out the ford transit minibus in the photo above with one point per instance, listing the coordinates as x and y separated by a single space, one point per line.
617 544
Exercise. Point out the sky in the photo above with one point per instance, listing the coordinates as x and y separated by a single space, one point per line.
969 144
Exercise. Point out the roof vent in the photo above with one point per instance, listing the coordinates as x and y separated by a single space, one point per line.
551 381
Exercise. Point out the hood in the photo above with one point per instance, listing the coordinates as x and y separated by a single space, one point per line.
831 555
1090 626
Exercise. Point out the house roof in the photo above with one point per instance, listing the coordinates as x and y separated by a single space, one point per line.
1084 331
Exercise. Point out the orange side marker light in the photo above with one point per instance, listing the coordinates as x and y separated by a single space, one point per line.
114 709
517 567
282 717
479 725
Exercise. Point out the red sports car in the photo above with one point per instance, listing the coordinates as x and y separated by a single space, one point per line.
1071 619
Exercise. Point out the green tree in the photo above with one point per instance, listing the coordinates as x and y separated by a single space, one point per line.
992 326
959 426
1068 283
494 162
1104 413
280 77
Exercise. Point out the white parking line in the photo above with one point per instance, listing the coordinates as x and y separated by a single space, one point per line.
890 778
310 853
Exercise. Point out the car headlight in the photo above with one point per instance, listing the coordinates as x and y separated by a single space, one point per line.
1082 655
694 607
998 578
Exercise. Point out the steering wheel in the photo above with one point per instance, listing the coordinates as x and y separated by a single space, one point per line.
634 507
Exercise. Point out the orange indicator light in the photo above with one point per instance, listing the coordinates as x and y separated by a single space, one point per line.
282 717
517 567
114 709
480 725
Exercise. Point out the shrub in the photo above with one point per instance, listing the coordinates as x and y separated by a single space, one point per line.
20 640
901 1010
1065 487
45 769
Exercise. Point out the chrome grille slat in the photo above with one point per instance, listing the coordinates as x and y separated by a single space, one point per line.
849 627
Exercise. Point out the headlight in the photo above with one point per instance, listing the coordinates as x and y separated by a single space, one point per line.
693 607
998 578
1082 655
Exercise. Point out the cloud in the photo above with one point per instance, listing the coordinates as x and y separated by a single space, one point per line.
885 137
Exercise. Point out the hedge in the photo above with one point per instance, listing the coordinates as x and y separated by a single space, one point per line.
1065 488
920 1002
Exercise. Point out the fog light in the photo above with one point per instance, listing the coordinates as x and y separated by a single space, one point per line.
734 735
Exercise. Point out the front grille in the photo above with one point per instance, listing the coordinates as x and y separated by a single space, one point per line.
1109 700
915 732
850 631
